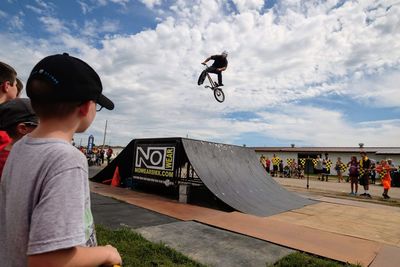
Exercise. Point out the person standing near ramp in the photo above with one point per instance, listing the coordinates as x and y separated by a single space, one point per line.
365 168
275 165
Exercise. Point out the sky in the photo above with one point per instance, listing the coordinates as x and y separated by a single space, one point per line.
303 72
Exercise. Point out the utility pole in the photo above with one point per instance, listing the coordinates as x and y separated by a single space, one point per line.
105 133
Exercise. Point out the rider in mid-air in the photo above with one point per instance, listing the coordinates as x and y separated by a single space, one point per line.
220 64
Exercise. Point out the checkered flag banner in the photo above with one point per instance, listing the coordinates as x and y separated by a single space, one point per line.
302 162
289 161
328 165
315 161
343 167
275 161
382 173
361 170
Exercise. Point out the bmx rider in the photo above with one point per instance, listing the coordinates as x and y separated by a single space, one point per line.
220 64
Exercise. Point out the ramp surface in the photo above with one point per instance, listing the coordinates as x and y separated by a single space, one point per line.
235 176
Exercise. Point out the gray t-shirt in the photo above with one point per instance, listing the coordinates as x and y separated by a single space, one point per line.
44 200
318 165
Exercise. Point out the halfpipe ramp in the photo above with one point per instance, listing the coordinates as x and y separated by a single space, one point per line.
232 173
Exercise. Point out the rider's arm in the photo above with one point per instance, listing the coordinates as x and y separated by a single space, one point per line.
222 69
205 61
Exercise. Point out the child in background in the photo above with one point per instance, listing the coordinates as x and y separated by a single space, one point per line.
17 118
10 88
384 169
353 174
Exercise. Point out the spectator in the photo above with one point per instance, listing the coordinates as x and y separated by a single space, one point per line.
393 168
281 168
275 165
45 213
17 118
98 158
373 172
10 87
365 168
267 164
102 152
338 169
292 167
300 171
384 169
318 167
325 167
286 171
390 163
262 160
353 175
109 155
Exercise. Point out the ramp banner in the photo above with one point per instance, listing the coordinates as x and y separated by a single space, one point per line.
155 160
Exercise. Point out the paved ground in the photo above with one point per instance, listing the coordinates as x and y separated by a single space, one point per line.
326 229
213 246
115 214
206 244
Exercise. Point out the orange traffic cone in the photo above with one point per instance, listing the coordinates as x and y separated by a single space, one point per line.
116 180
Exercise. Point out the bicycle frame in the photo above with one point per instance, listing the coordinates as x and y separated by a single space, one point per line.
218 93
212 83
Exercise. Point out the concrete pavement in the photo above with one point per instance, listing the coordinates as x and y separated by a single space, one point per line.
321 229
203 243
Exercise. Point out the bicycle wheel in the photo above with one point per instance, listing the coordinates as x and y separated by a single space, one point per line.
219 95
202 77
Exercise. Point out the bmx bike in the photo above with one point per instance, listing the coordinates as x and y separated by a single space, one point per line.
218 93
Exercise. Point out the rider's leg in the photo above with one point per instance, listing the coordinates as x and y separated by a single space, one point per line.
220 78
214 70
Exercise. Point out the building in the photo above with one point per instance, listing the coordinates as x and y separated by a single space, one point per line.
345 153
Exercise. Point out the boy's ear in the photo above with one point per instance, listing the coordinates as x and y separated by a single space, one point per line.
84 108
22 129
3 87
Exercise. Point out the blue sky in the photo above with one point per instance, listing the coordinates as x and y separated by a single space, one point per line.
313 73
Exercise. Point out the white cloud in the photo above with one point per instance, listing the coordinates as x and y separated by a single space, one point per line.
379 90
296 51
53 24
246 5
88 6
312 126
16 22
84 7
46 7
37 10
151 3
92 28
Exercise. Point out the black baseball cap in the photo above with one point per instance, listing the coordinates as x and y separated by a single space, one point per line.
16 111
72 80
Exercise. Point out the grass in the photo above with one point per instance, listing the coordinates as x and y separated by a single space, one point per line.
137 251
299 259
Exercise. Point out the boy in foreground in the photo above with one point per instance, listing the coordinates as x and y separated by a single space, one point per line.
45 214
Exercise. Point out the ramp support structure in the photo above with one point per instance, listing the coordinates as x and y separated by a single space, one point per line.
184 190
